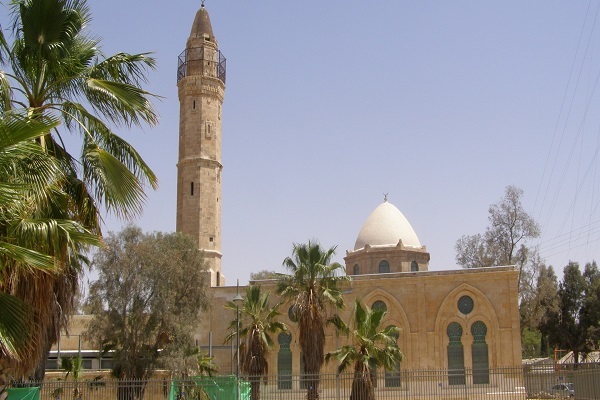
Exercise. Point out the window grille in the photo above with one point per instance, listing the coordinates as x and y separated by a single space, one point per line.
456 355
284 362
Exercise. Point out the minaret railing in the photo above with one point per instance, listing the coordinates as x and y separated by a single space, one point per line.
194 59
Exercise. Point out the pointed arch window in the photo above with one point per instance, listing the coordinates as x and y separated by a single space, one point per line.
379 305
479 350
384 267
284 362
356 270
456 355
414 266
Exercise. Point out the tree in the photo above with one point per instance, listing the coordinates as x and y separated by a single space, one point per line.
35 245
57 69
262 275
504 241
54 69
575 324
149 292
531 343
17 185
313 284
538 294
371 347
186 360
258 321
73 366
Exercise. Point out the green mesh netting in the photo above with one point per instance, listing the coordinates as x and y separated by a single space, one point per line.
27 393
207 388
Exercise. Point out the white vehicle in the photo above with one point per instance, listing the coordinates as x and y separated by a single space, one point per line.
563 390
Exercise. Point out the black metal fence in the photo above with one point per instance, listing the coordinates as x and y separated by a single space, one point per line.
546 382
201 62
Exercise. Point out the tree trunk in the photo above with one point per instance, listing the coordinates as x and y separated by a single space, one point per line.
543 346
254 387
4 378
312 386
362 384
40 371
312 343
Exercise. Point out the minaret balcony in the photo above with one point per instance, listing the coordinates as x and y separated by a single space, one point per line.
197 61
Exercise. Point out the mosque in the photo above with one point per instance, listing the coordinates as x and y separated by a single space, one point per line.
448 319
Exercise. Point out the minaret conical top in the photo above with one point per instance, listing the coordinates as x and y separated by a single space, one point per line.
202 25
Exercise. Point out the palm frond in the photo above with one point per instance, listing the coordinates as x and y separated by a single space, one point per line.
120 189
16 325
121 102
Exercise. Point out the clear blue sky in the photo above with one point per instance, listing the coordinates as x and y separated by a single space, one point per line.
330 104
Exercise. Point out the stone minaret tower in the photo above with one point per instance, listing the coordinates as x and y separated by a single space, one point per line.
201 87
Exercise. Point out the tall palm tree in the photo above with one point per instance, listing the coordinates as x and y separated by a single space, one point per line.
371 347
312 285
29 180
56 68
258 321
53 68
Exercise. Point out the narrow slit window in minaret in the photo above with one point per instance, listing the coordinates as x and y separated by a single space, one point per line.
194 105
192 188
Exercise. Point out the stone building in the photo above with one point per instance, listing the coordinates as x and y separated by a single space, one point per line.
449 320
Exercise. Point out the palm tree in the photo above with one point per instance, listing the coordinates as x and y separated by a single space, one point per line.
29 180
371 347
258 322
205 365
312 284
54 69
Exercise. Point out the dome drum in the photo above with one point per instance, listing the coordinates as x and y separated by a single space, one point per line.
399 259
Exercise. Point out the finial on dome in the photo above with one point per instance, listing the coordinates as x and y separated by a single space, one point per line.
385 197
202 5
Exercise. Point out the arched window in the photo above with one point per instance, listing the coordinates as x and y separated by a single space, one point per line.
284 362
379 305
479 351
414 266
384 267
356 269
392 378
456 355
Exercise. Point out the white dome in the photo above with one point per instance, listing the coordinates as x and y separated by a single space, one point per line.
386 226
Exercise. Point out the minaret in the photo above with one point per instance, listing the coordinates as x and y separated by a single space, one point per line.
201 87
